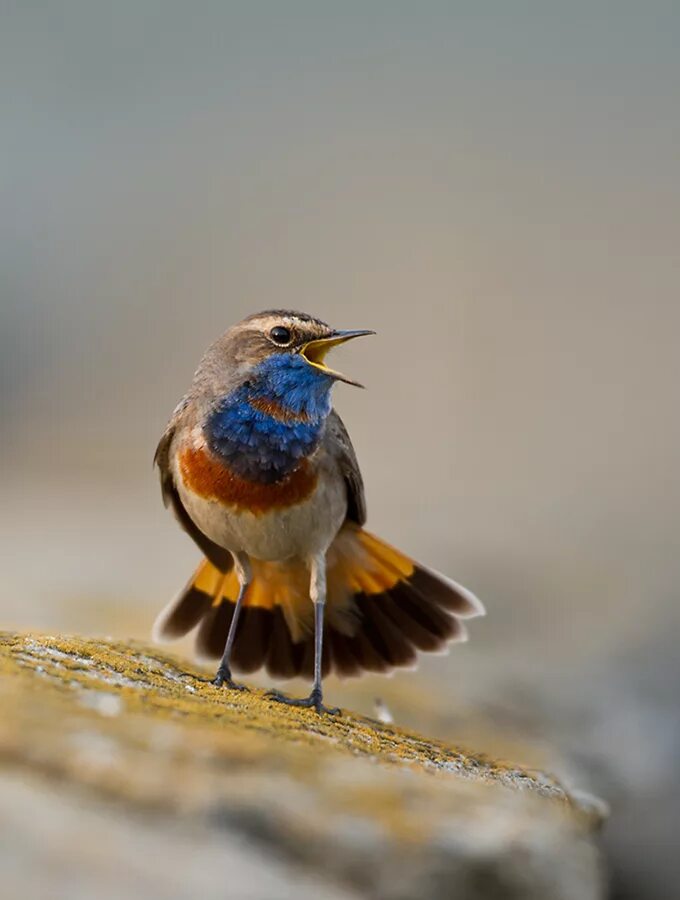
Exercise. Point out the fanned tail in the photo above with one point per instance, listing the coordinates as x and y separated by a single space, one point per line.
381 608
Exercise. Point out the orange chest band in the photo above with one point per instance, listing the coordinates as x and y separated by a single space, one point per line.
210 479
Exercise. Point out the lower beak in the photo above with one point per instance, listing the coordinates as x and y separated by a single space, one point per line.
315 352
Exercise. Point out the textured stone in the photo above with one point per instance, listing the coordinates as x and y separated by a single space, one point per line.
360 807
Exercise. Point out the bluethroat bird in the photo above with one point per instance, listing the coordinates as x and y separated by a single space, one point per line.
259 470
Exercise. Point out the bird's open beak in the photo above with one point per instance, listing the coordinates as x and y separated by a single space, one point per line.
315 351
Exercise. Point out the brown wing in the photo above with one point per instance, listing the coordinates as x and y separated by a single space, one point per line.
161 457
340 445
217 555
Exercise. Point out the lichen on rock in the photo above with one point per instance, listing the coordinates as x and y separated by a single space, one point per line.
383 811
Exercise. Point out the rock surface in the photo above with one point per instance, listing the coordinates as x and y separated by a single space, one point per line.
126 773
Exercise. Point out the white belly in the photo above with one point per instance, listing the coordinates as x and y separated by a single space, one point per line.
302 530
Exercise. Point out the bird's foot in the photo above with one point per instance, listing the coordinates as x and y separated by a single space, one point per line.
224 679
314 701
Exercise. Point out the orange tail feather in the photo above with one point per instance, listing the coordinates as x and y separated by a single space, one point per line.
381 607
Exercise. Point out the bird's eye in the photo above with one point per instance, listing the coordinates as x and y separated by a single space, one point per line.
280 335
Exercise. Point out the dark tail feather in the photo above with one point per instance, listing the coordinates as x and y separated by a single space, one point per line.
345 662
445 593
284 657
401 608
253 636
183 614
213 630
391 643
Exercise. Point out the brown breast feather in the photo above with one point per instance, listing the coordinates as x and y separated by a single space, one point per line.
212 480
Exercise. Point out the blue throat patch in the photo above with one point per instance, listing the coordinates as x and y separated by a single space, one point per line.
258 445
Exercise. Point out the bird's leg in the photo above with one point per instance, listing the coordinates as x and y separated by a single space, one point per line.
317 590
243 573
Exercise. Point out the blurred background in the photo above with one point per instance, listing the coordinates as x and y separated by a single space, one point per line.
493 187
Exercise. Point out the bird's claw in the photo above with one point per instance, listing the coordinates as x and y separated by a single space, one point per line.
224 679
314 701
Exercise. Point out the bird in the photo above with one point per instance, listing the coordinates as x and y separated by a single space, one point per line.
259 470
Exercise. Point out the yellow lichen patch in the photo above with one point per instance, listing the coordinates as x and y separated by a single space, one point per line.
132 722
150 681
376 809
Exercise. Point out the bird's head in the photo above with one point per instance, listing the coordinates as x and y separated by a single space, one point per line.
278 343
297 338
279 354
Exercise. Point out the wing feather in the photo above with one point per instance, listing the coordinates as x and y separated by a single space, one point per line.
217 555
340 445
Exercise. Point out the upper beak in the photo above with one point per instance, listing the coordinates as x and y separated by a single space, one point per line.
315 351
